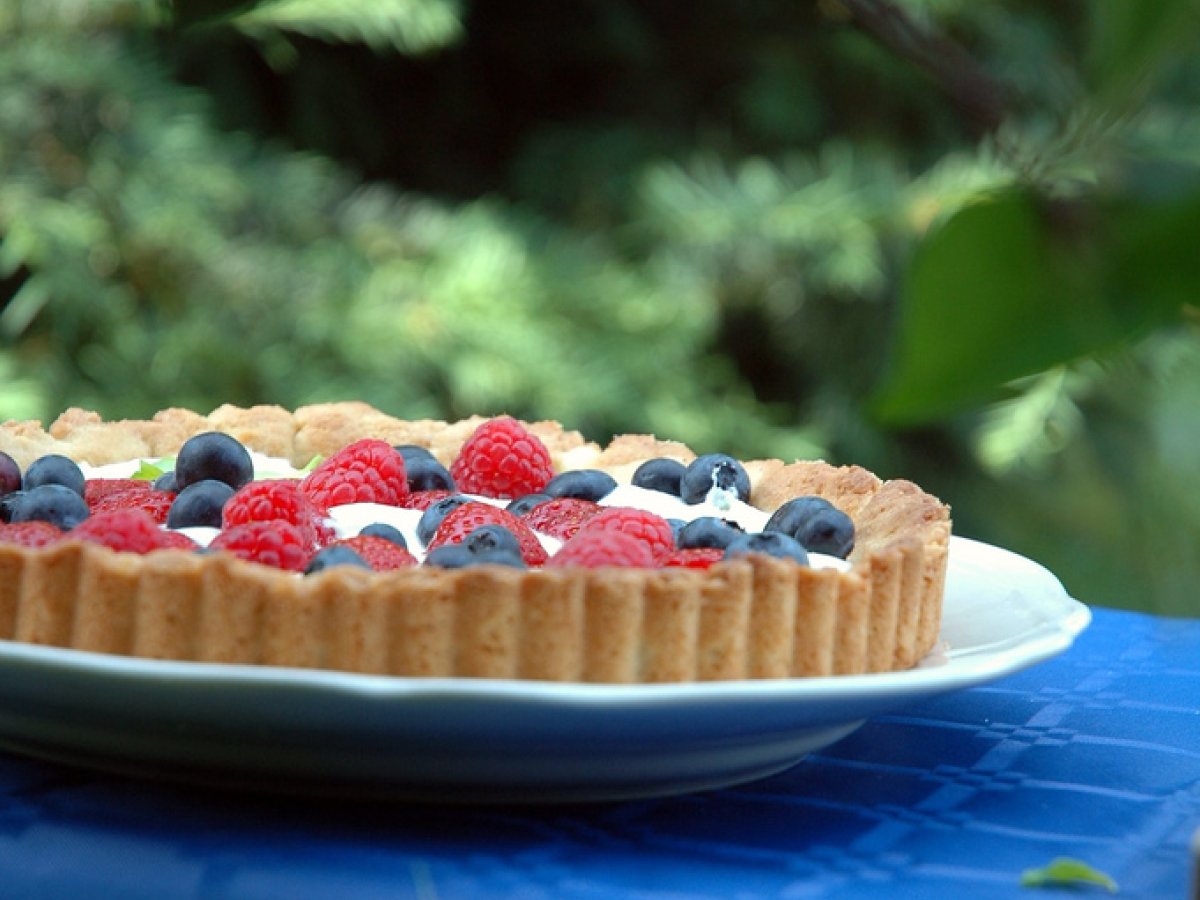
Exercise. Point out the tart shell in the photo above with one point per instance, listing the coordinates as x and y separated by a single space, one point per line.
755 617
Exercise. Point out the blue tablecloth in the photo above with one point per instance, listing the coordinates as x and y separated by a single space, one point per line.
1093 755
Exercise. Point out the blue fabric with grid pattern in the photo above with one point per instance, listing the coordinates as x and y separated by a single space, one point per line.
1093 755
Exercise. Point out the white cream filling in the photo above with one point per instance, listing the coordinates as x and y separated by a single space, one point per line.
352 518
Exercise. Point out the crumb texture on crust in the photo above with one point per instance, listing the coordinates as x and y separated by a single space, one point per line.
753 618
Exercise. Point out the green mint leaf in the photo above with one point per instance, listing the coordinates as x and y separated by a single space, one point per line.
313 463
1067 871
151 469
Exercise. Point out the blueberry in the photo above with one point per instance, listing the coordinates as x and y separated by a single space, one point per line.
337 555
523 505
433 515
451 556
409 452
53 503
457 556
387 532
771 543
166 482
10 475
676 527
581 484
707 531
817 524
661 474
8 503
199 504
489 539
54 469
427 474
213 455
714 470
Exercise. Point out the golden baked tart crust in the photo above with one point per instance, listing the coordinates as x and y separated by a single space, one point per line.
756 617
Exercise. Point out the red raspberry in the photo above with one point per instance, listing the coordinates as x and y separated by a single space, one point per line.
129 530
652 529
96 489
380 553
501 459
177 540
279 544
424 499
593 549
561 517
276 500
692 558
143 497
367 471
31 534
462 520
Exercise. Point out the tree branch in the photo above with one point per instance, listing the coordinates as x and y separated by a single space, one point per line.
978 96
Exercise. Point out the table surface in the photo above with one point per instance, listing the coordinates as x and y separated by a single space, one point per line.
1093 755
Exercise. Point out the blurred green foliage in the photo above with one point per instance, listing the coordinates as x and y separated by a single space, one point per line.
950 241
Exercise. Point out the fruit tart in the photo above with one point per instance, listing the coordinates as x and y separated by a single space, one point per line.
338 537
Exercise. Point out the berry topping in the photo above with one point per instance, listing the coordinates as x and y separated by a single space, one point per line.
464 519
594 548
166 482
562 517
278 543
660 474
128 530
581 484
817 524
692 558
213 454
10 475
424 499
435 513
200 503
8 503
156 503
31 534
651 529
489 539
51 503
97 489
335 555
276 500
367 471
707 531
771 543
54 469
409 452
717 473
451 556
502 459
427 474
522 505
380 554
385 531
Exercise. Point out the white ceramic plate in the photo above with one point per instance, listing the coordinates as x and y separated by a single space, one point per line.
477 740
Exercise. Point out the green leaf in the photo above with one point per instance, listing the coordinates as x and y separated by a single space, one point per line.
151 469
1067 871
1003 290
1130 42
407 25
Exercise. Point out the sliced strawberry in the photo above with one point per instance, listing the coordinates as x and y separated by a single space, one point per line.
561 517
462 520
380 553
